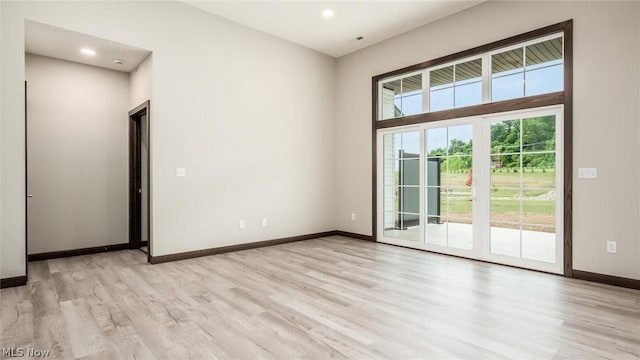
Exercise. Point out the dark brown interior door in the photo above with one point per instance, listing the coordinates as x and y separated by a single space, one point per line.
135 183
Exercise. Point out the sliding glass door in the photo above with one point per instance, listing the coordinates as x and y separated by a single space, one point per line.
449 199
525 190
486 188
401 184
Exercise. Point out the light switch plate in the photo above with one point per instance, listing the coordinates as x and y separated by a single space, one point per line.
587 173
242 224
353 216
264 221
611 247
181 172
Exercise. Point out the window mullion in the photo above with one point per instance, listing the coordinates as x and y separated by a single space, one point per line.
380 102
486 78
521 183
454 86
401 94
425 90
524 71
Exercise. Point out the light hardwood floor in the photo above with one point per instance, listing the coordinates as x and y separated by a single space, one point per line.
326 298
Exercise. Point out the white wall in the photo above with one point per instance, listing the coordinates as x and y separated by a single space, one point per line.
250 117
78 155
141 81
259 123
606 115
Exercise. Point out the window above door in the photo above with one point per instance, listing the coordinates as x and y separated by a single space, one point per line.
528 68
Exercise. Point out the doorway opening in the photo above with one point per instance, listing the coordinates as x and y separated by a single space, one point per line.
139 199
77 153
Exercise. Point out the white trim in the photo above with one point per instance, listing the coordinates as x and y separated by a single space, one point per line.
486 78
560 189
484 178
524 72
426 93
421 192
453 85
379 100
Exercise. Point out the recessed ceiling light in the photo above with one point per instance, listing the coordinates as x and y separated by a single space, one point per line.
118 62
88 51
328 13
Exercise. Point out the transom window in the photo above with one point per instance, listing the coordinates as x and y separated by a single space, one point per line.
531 68
402 97
527 70
456 86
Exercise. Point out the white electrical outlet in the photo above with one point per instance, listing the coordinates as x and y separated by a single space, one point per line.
264 221
611 247
587 173
181 172
353 216
242 224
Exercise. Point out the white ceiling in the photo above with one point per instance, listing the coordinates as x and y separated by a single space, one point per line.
45 40
302 22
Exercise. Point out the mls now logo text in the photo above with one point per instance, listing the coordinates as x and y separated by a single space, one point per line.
24 352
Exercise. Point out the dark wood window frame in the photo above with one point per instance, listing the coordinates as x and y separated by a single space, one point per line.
564 97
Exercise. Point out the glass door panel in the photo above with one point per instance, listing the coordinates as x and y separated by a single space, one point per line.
523 188
448 192
488 188
401 185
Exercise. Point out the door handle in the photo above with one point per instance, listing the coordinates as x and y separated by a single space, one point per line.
29 196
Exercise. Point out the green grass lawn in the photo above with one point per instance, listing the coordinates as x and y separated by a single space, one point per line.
505 195
505 184
505 179
542 207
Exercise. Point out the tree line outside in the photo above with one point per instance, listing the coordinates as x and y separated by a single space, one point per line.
532 139
514 187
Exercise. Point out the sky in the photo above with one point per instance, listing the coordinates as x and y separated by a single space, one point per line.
506 85
539 79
